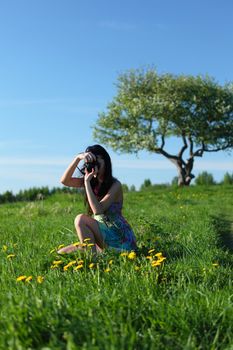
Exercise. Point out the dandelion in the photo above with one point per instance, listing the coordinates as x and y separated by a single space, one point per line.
110 262
107 270
80 262
40 279
21 278
28 279
78 267
54 266
151 251
86 239
60 246
155 263
215 264
4 248
159 255
57 262
124 254
90 244
137 268
76 244
52 251
149 257
132 255
161 259
91 265
69 264
10 256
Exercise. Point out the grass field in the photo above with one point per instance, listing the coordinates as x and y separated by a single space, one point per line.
120 302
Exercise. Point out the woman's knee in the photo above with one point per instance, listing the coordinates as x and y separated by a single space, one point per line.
80 219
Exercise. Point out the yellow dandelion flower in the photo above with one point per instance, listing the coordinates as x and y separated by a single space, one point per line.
78 267
69 264
132 255
57 262
10 256
137 268
80 262
21 278
149 257
4 248
124 254
159 255
151 251
76 244
52 251
91 265
161 259
90 244
54 266
110 262
107 270
155 262
60 246
28 279
86 239
83 244
40 279
215 264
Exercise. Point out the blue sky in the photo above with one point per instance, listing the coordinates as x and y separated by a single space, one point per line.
59 64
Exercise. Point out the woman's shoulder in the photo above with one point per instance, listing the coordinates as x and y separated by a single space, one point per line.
117 183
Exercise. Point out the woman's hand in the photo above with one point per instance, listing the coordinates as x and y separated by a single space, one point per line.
88 157
88 176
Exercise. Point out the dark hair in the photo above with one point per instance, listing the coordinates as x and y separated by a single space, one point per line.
98 150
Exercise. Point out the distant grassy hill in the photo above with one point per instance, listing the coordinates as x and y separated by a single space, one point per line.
137 301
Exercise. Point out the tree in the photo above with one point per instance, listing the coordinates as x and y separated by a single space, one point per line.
174 181
146 184
228 179
150 107
205 179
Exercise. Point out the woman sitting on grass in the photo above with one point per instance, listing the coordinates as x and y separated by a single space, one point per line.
104 225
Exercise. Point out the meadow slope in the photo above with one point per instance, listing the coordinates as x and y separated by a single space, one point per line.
174 293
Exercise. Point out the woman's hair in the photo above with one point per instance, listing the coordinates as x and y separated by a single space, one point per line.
98 150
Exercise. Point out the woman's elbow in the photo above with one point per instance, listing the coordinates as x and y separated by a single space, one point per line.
63 182
99 211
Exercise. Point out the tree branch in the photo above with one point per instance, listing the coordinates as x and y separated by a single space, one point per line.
191 146
200 151
180 154
218 149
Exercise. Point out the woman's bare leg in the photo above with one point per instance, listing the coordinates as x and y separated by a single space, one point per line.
86 227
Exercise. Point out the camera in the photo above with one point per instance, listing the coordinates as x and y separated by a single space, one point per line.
89 167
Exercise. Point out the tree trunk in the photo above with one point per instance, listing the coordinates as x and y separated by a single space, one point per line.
184 170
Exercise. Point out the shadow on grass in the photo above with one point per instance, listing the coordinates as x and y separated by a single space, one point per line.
224 229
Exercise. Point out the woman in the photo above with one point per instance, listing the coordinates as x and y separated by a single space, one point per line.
104 226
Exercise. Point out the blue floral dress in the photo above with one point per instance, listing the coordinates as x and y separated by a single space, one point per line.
116 231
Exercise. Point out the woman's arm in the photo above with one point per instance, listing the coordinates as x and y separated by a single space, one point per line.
100 207
67 178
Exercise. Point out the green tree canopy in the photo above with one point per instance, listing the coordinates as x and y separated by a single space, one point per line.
150 107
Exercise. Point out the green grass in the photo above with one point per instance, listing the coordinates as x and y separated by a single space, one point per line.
185 303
